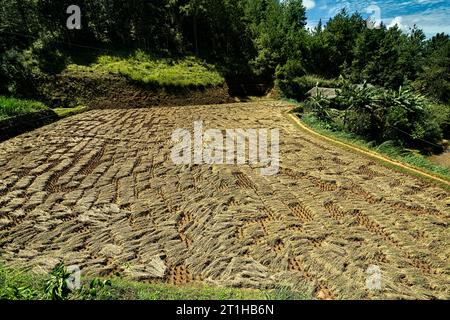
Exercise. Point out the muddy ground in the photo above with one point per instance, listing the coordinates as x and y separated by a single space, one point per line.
99 190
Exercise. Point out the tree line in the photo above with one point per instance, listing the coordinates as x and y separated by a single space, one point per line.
259 40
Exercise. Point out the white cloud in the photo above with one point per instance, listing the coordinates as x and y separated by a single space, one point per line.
309 4
429 1
430 21
396 21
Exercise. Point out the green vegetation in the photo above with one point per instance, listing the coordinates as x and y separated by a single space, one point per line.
144 291
441 114
15 285
434 78
20 115
380 115
388 148
249 41
297 87
164 72
11 107
393 86
66 112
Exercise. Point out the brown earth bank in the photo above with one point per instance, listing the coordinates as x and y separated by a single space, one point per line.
108 91
99 190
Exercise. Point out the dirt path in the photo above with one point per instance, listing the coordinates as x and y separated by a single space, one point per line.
99 190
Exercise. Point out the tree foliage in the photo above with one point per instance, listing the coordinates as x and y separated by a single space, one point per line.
256 40
380 115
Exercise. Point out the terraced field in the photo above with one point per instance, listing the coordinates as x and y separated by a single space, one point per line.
99 190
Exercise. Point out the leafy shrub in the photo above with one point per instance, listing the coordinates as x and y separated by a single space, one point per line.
17 293
291 70
441 115
23 70
380 115
390 148
320 107
96 287
363 114
19 71
408 119
14 291
56 287
15 286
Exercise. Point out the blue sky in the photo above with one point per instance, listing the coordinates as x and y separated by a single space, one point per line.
432 16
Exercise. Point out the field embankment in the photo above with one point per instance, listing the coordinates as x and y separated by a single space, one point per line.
138 81
18 116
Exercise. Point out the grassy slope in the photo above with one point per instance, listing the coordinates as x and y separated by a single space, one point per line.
12 107
28 286
146 69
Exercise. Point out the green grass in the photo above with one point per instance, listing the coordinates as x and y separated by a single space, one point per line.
164 72
143 291
389 149
16 285
12 107
67 112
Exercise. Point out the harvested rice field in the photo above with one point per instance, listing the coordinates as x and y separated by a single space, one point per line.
99 190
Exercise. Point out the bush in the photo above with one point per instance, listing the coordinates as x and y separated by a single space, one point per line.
409 119
441 115
20 72
381 115
389 148
15 286
56 287
23 70
320 107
